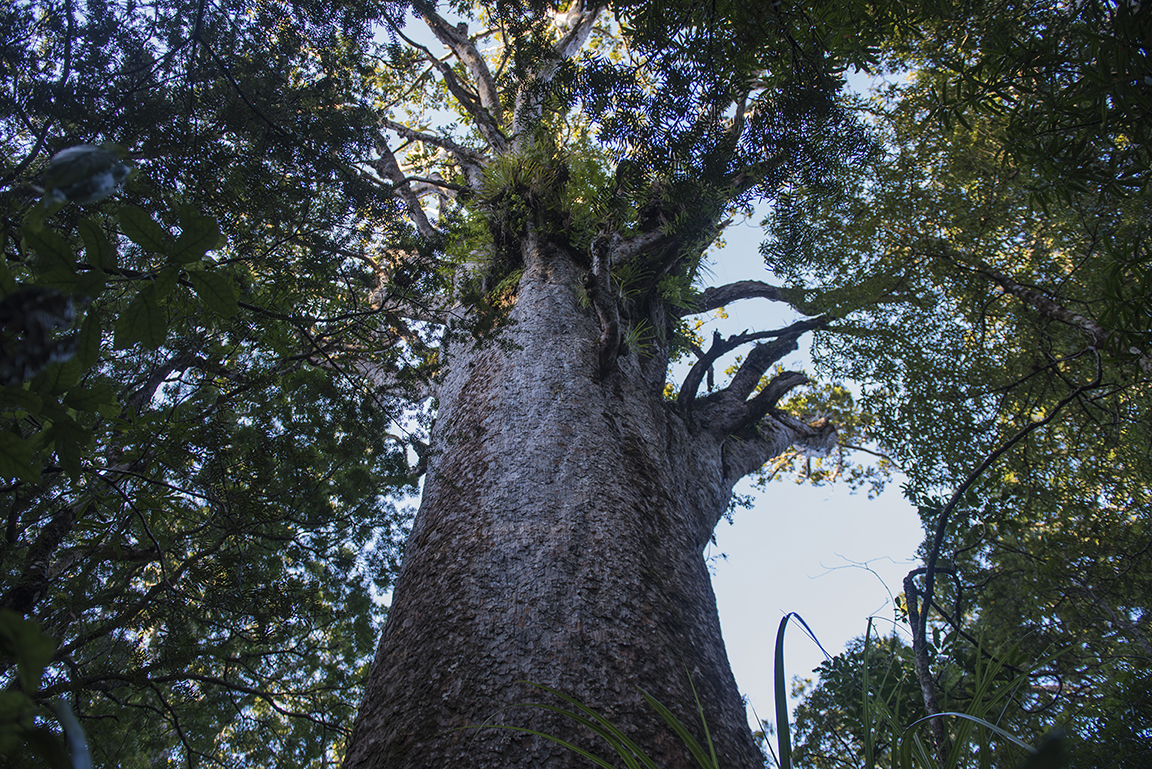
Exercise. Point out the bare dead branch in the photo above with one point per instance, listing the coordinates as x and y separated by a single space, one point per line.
766 400
719 347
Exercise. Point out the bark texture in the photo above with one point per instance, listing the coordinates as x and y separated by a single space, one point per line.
559 541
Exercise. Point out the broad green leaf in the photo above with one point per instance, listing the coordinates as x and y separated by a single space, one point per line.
216 291
65 280
15 397
70 440
58 377
15 705
143 321
143 230
88 340
90 398
100 252
165 281
7 281
90 284
16 458
53 254
22 640
201 234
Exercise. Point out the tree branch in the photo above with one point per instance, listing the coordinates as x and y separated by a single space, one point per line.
919 618
921 662
766 400
579 20
730 409
719 296
471 103
599 288
389 168
471 161
749 448
722 346
1036 299
623 249
456 38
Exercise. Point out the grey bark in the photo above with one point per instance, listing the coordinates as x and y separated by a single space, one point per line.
560 541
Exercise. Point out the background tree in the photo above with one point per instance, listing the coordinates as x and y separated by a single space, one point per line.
199 499
1009 217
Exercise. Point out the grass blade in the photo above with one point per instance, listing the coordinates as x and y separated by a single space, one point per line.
783 731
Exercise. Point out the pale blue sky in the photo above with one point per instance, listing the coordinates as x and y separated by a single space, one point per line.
833 557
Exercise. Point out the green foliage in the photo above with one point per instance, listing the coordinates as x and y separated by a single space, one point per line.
203 498
977 275
23 742
867 710
560 184
57 408
22 641
211 427
173 503
658 107
517 185
855 430
1066 88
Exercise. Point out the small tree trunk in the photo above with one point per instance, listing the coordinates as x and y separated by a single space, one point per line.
559 541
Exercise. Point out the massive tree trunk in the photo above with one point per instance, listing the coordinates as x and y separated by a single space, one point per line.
568 501
560 541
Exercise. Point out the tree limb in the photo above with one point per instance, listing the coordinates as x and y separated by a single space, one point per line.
766 400
579 19
920 661
623 249
719 296
471 162
746 450
471 103
1036 299
456 38
730 409
919 618
389 168
599 288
